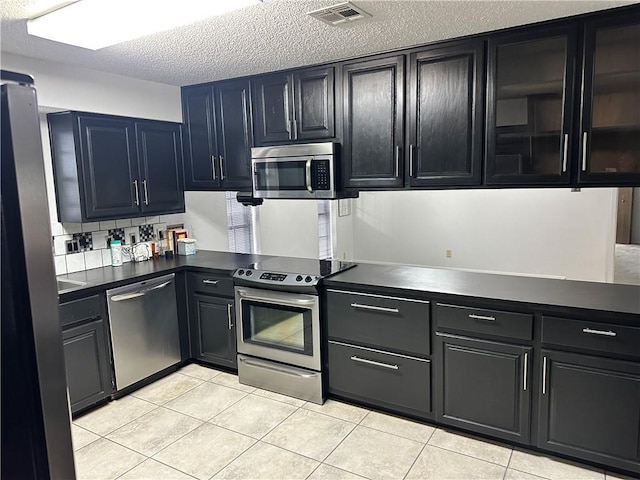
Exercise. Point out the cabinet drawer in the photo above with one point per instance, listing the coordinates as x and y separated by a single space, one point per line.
392 323
483 321
81 309
211 284
591 335
393 381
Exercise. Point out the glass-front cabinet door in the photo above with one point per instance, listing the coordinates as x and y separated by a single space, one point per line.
529 107
610 133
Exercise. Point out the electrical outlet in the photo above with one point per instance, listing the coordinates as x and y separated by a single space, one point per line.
447 253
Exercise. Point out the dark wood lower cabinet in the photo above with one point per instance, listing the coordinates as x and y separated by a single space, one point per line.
484 386
213 332
590 408
87 363
393 381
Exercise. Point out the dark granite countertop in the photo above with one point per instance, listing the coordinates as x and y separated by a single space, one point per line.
606 297
223 262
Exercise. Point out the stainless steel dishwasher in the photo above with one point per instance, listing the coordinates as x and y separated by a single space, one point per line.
144 329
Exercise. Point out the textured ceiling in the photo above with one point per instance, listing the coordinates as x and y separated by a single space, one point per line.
278 34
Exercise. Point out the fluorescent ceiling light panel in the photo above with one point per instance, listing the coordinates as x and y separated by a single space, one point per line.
96 24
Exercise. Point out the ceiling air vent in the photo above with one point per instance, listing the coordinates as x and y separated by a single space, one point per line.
340 13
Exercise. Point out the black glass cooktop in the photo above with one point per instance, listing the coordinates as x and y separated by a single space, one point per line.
303 266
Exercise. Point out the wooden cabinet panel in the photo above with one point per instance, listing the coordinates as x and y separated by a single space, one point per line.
200 139
589 408
373 142
380 378
87 364
314 104
160 155
234 134
273 103
484 386
110 167
445 106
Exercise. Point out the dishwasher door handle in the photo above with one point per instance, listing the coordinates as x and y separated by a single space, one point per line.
126 296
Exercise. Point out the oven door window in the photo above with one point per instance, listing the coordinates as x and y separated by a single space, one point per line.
277 326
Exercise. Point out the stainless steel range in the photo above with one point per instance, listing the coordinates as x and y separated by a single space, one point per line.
278 322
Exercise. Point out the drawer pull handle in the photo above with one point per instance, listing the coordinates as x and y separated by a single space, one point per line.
544 375
482 317
606 333
374 308
373 362
206 281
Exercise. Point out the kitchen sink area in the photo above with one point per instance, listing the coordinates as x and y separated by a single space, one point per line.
65 285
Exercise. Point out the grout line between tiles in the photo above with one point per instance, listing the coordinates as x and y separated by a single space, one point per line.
508 463
467 455
416 459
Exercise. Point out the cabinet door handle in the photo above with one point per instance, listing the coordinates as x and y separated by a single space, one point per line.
482 317
206 281
373 362
606 333
375 308
221 167
146 194
213 166
229 316
584 152
544 375
295 129
135 184
411 161
565 152
525 372
397 159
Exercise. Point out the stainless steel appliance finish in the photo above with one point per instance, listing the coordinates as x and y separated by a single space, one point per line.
144 329
295 171
285 379
278 322
36 418
279 326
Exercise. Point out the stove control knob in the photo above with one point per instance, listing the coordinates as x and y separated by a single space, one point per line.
249 273
240 272
299 278
308 279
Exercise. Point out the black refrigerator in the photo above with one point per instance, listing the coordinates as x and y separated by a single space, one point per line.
35 416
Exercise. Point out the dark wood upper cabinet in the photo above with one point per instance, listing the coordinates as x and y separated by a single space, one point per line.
108 167
218 136
445 100
290 107
160 156
200 168
610 116
530 91
373 109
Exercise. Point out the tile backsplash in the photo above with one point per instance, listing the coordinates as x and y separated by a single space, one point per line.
93 240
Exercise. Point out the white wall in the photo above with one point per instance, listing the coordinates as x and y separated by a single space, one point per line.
289 228
206 219
66 87
535 231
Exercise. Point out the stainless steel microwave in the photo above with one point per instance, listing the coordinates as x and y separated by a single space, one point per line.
296 171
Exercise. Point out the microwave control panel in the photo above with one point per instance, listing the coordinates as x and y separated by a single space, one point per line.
320 175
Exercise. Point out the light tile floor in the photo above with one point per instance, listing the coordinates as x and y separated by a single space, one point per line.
201 423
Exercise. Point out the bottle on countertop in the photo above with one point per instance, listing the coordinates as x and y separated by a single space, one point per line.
116 253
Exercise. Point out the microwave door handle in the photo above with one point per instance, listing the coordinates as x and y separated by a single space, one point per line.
308 175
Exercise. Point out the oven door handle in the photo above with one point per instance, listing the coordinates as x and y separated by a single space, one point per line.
270 366
303 302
